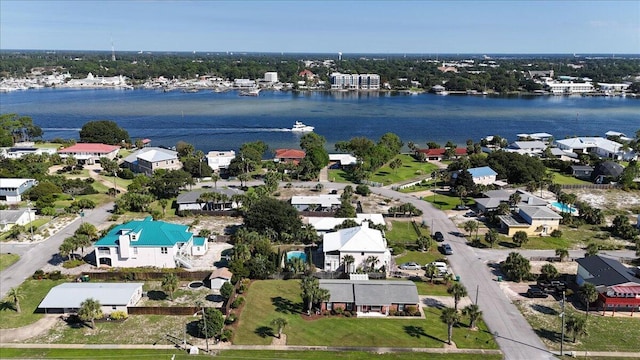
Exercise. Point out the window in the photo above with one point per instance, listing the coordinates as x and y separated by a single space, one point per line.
362 254
349 306
400 307
135 251
164 250
113 308
329 306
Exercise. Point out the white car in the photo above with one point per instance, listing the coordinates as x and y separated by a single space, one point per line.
441 266
410 266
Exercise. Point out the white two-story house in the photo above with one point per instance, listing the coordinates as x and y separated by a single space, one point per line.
360 242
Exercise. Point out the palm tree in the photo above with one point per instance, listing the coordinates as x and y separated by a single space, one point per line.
307 286
431 271
279 323
549 271
347 260
89 230
491 237
170 284
450 317
82 241
562 253
520 237
588 294
462 192
163 204
448 278
576 326
474 313
15 294
470 226
592 249
215 178
458 291
371 262
66 249
514 199
89 311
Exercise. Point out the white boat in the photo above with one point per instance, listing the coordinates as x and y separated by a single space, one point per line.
251 92
300 127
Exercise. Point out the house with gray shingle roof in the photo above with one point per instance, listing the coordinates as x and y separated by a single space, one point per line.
226 201
11 218
68 297
364 296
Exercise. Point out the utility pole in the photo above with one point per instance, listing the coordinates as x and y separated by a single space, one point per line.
562 314
477 292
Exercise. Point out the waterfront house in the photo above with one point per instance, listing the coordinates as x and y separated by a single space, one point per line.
224 202
370 296
149 243
149 159
534 220
11 218
90 153
439 154
325 202
22 149
480 175
220 160
606 172
289 156
341 161
599 146
362 242
617 285
531 148
67 298
11 189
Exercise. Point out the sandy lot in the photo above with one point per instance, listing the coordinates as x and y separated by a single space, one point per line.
610 199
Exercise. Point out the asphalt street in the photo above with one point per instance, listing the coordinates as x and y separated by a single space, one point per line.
36 256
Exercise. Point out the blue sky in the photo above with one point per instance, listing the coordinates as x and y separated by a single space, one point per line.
422 27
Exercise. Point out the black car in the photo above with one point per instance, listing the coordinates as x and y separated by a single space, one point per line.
438 236
537 293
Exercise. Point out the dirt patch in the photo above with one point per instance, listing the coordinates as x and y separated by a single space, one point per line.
609 199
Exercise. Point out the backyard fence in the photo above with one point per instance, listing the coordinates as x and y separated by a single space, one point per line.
163 310
143 276
233 213
589 186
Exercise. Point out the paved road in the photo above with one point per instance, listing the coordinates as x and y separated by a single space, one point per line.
35 256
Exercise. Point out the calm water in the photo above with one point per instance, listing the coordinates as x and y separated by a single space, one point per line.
220 121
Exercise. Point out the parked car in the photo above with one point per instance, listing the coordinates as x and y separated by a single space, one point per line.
410 266
446 249
552 286
535 292
441 266
470 214
438 236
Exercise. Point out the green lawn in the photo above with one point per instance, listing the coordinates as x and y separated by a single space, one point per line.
118 354
420 257
410 169
572 238
447 202
425 287
535 243
563 179
403 232
269 299
339 176
7 260
47 145
123 183
422 186
604 332
33 292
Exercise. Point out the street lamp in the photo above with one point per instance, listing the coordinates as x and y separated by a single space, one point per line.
115 189
562 314
30 224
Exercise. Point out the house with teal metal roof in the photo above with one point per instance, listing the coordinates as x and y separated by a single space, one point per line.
146 243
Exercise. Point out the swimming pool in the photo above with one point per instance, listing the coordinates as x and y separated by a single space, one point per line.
297 254
564 208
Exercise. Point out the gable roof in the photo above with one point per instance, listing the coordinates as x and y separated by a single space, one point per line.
325 200
371 292
151 154
89 148
289 154
71 295
328 223
221 273
11 216
14 182
606 271
539 212
482 172
191 197
440 152
535 144
151 233
356 239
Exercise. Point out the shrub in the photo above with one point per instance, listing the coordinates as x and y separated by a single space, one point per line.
556 233
55 275
39 275
347 314
397 248
237 302
118 315
363 190
411 310
70 264
230 319
339 311
227 334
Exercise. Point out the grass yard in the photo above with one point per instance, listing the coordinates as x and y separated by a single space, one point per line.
123 183
33 292
425 287
339 176
410 169
534 243
447 202
604 332
563 179
7 260
404 233
118 354
269 299
420 257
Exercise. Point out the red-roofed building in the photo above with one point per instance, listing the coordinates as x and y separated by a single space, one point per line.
289 155
90 153
145 142
438 154
306 74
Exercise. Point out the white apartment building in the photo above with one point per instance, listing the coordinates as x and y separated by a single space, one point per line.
341 81
568 87
220 159
271 77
